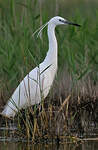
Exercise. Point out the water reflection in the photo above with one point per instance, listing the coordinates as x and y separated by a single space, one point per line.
88 145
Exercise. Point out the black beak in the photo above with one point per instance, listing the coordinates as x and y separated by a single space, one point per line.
74 24
70 23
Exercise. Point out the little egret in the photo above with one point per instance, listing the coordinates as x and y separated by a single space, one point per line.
38 82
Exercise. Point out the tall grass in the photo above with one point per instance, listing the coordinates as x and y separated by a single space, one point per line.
20 52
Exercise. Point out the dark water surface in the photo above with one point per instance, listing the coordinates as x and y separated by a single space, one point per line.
87 145
86 7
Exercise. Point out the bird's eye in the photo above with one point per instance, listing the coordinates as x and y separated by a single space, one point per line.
60 20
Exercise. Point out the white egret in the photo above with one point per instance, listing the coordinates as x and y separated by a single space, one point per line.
38 82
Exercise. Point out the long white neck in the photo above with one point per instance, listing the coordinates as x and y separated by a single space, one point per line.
51 57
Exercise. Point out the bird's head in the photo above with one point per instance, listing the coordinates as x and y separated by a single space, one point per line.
57 20
61 21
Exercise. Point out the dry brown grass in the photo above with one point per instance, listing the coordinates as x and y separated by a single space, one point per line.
68 110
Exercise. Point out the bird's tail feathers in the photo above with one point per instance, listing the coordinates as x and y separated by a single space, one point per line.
8 112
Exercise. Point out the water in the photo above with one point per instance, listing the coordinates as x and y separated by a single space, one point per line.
10 142
86 145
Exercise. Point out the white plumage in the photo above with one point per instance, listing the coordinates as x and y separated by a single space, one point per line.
38 82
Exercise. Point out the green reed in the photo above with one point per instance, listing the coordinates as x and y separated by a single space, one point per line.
20 52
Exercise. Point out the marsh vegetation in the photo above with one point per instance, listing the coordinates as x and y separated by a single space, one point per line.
71 107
